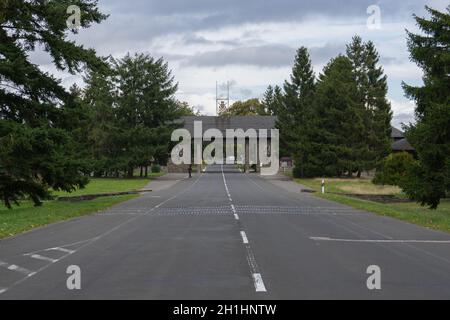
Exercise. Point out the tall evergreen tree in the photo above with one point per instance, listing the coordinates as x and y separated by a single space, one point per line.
294 114
338 124
378 107
37 151
272 100
430 136
145 104
98 96
268 100
372 91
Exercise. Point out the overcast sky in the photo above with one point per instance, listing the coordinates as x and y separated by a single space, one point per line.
252 43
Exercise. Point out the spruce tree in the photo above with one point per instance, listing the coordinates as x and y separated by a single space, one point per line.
272 100
338 121
376 110
268 100
37 150
294 113
430 135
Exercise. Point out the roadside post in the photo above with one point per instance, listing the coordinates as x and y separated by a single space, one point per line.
323 185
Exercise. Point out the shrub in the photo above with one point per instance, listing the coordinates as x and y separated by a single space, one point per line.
156 168
394 169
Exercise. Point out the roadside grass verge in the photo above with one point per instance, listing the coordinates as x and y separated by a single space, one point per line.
26 216
351 186
106 185
411 212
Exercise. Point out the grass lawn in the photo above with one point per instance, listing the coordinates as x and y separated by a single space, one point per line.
412 212
350 186
105 185
26 217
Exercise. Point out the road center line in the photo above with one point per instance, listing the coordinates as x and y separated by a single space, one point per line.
256 275
259 284
244 237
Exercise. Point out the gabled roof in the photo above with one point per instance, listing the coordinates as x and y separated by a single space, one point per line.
230 122
396 133
402 145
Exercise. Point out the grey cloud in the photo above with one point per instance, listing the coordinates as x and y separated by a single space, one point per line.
269 56
193 39
137 22
323 54
216 13
265 56
402 118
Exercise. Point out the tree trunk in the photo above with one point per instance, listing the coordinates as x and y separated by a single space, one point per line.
146 171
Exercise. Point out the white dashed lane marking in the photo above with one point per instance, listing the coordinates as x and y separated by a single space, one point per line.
13 267
259 284
62 250
254 270
244 237
39 257
24 271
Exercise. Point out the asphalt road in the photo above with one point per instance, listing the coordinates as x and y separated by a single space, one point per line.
227 235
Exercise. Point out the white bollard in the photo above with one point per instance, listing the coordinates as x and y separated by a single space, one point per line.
323 185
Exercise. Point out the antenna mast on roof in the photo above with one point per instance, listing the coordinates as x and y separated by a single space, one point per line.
222 103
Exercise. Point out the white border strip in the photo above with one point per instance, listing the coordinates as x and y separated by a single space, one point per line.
379 240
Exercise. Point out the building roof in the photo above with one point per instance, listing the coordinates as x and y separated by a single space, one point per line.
396 133
230 122
401 145
266 122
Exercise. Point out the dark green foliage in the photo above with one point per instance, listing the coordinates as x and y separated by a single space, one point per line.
156 168
339 125
376 110
272 100
38 117
430 136
394 169
133 105
246 108
295 114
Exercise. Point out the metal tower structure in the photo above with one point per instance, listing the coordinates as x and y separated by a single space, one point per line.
222 102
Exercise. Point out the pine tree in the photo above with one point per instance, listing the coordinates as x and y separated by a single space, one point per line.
294 113
338 124
37 150
430 135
